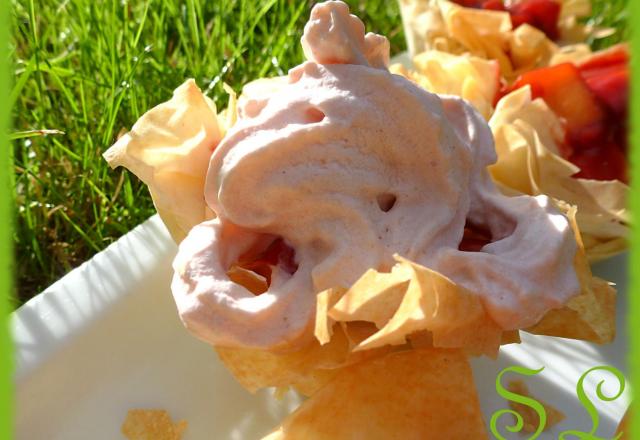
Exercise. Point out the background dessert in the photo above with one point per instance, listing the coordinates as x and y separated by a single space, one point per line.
570 143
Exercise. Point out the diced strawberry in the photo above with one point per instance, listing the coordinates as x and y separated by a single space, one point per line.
493 5
564 90
620 136
476 4
278 253
593 102
606 73
542 14
612 87
586 137
603 162
474 238
615 55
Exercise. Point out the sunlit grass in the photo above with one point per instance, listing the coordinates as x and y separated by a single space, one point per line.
86 70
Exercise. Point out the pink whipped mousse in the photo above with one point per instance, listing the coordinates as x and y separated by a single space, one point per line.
350 164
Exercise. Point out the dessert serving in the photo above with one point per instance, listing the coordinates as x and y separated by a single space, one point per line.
520 34
340 233
557 110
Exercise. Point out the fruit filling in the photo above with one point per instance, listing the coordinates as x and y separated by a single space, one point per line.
541 14
592 99
475 238
254 268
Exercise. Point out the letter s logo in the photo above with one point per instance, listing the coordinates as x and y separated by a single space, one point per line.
517 398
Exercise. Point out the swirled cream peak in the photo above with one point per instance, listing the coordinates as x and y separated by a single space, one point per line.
350 165
333 36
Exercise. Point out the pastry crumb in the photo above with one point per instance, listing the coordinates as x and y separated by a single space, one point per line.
152 424
529 416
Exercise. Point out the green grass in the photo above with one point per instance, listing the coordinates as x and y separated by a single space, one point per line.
87 70
90 69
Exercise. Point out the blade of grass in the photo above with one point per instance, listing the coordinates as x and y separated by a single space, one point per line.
33 133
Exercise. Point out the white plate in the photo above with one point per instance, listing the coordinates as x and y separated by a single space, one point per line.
106 338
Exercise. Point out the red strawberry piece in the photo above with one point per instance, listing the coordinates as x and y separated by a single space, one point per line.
612 87
564 90
469 3
606 73
613 56
602 162
592 101
542 14
278 253
493 5
474 238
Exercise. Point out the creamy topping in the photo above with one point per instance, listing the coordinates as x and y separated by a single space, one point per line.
351 164
333 36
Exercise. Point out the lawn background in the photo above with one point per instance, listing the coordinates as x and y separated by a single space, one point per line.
90 69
